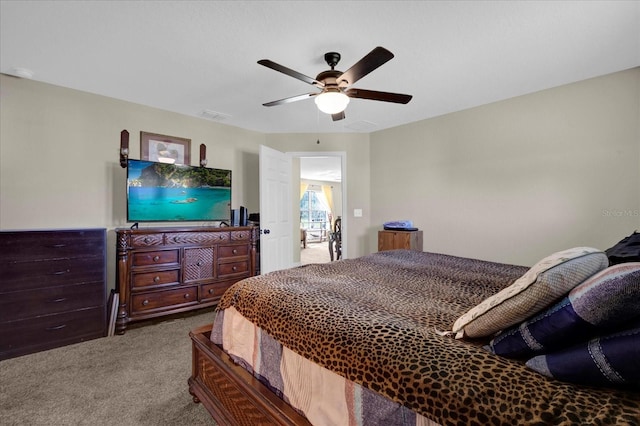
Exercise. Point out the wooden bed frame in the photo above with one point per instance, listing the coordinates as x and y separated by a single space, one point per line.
230 393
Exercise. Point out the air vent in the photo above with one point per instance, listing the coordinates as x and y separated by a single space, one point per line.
361 126
214 115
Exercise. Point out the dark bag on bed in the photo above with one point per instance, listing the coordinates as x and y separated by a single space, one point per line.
627 250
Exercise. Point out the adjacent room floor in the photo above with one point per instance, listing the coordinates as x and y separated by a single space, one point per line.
315 253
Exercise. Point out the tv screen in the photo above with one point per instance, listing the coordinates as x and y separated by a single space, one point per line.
160 192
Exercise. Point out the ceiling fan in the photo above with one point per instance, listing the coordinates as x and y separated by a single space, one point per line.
336 85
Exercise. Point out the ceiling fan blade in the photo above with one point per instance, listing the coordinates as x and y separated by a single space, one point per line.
288 71
337 116
291 99
364 66
374 95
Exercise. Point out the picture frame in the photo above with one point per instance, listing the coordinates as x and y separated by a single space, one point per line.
165 149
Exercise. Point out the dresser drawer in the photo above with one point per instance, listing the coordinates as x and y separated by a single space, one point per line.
197 238
26 336
210 292
159 257
233 251
40 245
199 263
33 275
159 300
241 235
147 240
50 300
233 268
156 278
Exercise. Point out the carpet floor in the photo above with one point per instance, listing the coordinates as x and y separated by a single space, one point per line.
139 378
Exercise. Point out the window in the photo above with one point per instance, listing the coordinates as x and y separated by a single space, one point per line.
314 216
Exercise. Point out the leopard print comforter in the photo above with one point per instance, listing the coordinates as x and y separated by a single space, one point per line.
373 320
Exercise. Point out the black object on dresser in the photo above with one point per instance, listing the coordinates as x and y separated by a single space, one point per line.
52 289
162 271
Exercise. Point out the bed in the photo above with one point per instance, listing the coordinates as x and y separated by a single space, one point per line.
378 340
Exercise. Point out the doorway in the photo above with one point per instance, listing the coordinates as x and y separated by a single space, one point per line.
322 201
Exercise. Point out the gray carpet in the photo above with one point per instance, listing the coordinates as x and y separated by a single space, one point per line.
139 378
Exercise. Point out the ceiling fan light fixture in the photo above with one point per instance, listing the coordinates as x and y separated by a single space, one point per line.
332 102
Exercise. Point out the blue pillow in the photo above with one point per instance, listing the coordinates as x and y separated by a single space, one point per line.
593 308
612 361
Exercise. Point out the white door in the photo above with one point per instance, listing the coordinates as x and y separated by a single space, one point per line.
276 244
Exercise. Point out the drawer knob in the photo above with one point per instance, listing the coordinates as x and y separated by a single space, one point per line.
187 295
146 239
234 251
199 263
210 291
156 279
156 258
145 302
235 268
58 300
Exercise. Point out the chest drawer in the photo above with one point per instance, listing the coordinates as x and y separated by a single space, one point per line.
160 257
43 245
159 300
233 251
157 278
44 332
33 275
51 300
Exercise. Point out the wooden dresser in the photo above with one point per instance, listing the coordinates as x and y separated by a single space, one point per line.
162 271
52 289
393 240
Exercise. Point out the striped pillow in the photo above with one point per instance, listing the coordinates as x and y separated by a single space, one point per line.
607 299
612 360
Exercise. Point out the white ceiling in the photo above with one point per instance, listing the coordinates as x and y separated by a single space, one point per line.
194 56
328 169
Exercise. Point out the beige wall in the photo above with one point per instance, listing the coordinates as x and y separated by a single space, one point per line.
59 157
517 180
510 181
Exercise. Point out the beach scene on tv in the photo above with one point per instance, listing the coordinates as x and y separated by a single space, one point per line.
158 192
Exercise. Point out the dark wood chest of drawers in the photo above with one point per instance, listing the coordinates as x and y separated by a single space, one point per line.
163 271
52 289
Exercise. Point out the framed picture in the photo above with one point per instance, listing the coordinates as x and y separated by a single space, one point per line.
164 149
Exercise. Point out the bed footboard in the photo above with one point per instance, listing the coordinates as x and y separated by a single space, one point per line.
231 394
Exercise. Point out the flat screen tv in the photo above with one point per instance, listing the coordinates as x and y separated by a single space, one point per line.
160 192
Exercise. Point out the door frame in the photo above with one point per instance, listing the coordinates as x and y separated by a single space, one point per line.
343 183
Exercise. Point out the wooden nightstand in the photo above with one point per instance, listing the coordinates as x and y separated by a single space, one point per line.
393 240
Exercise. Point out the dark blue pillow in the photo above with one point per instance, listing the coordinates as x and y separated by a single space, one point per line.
595 307
611 361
